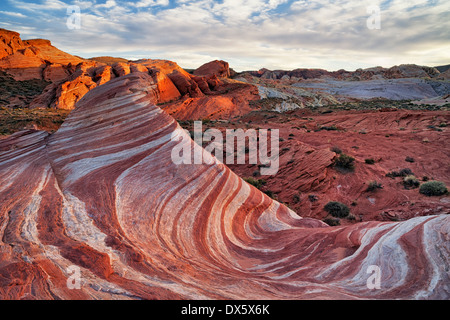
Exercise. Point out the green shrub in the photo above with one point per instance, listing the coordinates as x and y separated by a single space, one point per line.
411 182
271 194
369 161
332 128
402 173
257 183
337 209
433 188
374 185
336 149
332 221
345 161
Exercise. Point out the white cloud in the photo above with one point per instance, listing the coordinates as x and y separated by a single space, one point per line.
46 5
14 14
108 4
252 34
151 3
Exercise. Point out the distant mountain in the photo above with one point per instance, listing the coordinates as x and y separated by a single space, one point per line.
375 73
443 68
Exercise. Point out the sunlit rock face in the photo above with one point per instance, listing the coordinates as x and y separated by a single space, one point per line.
33 59
103 195
216 67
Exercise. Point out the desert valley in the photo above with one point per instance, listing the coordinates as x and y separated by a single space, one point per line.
87 180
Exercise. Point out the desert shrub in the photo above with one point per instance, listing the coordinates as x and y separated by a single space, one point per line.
332 221
433 188
331 128
337 209
313 198
257 183
296 198
344 161
409 159
336 149
271 194
411 182
401 173
373 186
369 161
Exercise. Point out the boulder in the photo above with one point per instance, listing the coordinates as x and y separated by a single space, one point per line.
217 67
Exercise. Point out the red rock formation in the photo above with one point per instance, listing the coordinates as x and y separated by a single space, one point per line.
232 99
64 94
172 81
166 88
10 42
184 84
102 194
216 67
103 74
33 59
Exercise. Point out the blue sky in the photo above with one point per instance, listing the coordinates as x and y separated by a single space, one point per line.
249 34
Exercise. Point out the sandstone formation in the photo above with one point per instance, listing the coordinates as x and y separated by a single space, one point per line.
33 59
188 96
216 67
172 82
102 194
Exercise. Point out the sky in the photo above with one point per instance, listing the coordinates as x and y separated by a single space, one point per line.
249 34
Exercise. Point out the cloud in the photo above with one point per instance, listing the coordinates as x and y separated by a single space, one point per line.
14 14
151 3
108 4
46 5
252 34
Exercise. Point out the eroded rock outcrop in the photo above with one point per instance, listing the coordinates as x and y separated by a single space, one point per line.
102 194
33 59
199 93
218 68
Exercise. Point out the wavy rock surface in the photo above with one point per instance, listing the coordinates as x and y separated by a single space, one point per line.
103 194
